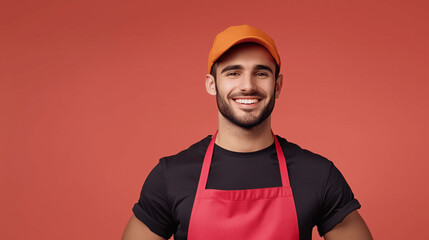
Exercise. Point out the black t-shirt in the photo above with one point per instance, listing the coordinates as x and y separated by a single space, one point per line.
321 194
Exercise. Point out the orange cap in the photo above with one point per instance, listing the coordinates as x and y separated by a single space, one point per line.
240 34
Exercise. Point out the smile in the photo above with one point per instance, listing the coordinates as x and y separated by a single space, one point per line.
246 100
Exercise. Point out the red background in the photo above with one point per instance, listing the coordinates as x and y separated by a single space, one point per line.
93 93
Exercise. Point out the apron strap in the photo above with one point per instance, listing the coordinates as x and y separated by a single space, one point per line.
209 155
282 163
206 165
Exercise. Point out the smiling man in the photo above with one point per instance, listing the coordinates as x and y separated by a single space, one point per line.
253 100
244 182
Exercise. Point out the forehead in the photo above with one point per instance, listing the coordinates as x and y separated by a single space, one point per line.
247 54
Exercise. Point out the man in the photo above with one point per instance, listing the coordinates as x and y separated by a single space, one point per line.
245 182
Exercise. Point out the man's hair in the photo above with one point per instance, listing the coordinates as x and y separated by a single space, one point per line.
214 67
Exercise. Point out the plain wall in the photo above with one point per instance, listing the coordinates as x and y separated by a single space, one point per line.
93 93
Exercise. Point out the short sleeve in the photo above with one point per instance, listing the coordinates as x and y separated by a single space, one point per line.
153 207
338 202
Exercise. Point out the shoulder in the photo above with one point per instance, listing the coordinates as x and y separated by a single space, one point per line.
304 158
182 170
308 171
190 155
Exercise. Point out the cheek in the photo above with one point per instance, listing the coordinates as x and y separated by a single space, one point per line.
225 88
268 87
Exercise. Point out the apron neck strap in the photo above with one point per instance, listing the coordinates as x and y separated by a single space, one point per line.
209 155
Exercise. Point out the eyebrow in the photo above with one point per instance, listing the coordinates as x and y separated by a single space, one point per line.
263 67
258 67
231 67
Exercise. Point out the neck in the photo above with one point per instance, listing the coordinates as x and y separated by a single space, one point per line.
238 139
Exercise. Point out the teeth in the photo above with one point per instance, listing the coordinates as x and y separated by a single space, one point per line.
246 101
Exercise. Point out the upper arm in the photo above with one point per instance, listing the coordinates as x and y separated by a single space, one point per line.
136 230
337 200
154 208
353 227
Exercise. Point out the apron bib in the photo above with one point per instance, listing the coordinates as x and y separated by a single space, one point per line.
251 214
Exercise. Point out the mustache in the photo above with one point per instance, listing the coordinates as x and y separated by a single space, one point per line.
247 94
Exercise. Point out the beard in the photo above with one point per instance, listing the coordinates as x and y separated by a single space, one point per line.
249 120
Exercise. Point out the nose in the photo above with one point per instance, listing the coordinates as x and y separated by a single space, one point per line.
247 83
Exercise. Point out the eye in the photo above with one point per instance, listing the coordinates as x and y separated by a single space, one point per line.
232 74
261 74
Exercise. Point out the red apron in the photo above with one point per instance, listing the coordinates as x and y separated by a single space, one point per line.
259 214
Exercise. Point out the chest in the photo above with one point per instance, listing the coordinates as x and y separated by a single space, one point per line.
237 174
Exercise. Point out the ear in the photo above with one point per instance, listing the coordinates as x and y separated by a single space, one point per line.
279 85
210 85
